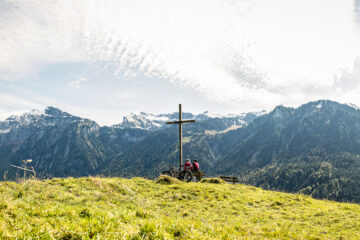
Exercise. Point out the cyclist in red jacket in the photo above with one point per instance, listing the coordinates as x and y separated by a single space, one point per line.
195 166
188 165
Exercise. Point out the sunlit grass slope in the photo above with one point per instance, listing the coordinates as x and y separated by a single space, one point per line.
115 208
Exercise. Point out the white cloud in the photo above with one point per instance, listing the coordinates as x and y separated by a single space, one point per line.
229 51
79 80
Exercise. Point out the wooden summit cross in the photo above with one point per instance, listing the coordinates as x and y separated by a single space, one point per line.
180 122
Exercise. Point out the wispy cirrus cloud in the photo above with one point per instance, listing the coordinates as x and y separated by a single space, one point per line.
79 80
228 51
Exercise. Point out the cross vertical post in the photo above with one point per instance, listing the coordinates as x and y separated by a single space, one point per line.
180 138
180 122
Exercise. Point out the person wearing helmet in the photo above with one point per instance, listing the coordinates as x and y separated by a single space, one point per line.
187 165
195 166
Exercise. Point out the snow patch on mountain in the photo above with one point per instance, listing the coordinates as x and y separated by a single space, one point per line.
142 121
26 118
5 130
353 106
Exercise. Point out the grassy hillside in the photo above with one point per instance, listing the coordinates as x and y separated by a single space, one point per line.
115 208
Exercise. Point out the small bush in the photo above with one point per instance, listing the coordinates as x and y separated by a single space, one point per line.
140 213
3 206
167 180
178 231
276 203
213 180
19 194
85 213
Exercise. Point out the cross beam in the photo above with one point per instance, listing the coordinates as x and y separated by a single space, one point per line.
180 122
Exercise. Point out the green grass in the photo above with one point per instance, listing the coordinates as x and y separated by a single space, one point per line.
115 208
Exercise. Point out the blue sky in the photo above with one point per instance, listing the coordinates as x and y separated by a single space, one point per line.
104 59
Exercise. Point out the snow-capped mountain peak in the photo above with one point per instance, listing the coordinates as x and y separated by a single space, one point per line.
154 122
50 116
18 128
142 121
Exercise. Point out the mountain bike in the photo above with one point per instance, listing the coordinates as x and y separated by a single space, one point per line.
184 175
172 172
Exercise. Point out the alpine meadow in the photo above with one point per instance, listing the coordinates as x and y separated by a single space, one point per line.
115 208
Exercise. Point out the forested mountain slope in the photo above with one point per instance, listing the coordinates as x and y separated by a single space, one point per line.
314 149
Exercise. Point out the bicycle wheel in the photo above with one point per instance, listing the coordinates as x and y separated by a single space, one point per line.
167 173
186 175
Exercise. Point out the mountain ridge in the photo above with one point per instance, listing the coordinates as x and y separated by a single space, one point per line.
58 142
313 149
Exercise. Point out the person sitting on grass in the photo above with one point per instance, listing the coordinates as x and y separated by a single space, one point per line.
195 166
188 165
